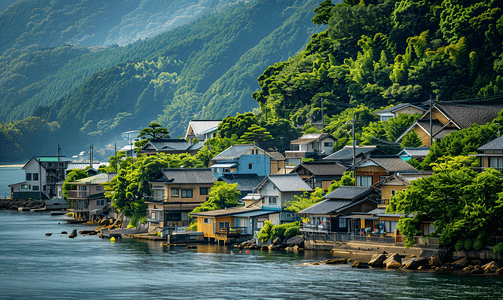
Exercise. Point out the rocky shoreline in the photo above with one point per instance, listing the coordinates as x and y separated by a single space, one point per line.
7 204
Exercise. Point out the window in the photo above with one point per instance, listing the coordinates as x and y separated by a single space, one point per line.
295 147
250 166
227 170
342 222
260 224
224 224
24 187
203 191
98 188
35 176
328 144
174 216
496 162
393 193
186 193
35 187
363 180
288 215
206 221
273 200
175 192
28 176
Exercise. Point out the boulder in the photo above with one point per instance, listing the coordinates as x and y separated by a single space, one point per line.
435 261
460 263
64 232
477 270
335 261
500 271
377 260
491 267
289 249
359 265
295 248
276 241
264 248
73 234
48 234
316 264
393 261
271 247
297 240
414 263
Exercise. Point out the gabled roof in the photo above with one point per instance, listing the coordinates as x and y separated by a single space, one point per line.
192 175
237 212
496 144
168 145
330 207
312 137
350 193
286 182
275 155
42 159
235 151
202 126
388 163
415 151
405 178
346 153
246 182
464 115
322 169
96 179
396 108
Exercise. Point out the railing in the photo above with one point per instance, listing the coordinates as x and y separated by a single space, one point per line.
481 169
315 228
78 194
229 231
369 237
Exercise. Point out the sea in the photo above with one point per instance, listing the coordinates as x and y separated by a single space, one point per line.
9 174
36 266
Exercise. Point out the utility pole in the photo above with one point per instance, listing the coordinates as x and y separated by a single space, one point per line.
115 154
354 142
431 122
322 117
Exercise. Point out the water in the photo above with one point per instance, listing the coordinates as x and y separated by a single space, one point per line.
34 266
9 174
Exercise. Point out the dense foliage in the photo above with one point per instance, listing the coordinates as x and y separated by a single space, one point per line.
72 176
222 195
305 200
464 204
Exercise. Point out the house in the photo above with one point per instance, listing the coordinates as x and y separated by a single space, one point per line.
402 108
492 154
320 174
201 130
373 169
310 145
88 197
176 192
82 166
234 224
394 183
449 117
343 210
278 162
41 175
278 189
246 182
243 159
169 146
417 153
345 155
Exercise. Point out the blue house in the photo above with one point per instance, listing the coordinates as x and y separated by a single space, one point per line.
242 159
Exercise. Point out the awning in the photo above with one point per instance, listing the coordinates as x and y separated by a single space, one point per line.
252 214
366 217
223 165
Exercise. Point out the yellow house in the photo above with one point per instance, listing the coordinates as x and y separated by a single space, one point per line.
397 182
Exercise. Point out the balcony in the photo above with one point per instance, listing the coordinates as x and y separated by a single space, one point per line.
231 231
382 203
298 154
78 194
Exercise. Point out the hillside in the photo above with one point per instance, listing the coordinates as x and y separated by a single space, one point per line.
204 69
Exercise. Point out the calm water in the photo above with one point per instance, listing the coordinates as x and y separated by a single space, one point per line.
34 266
9 175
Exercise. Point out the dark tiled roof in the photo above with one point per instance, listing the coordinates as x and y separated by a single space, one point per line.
196 175
397 107
276 155
326 207
286 182
393 164
311 137
321 169
436 125
464 115
442 133
168 145
246 182
350 192
347 152
496 144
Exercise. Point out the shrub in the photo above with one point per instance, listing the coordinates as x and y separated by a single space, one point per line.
292 231
468 244
265 233
498 248
478 244
192 226
278 231
460 244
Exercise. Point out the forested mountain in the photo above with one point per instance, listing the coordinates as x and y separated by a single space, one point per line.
204 69
380 52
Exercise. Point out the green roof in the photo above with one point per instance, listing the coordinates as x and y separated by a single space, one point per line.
48 159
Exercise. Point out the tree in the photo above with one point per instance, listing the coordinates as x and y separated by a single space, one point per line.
411 139
464 204
307 199
222 195
322 12
347 179
255 134
237 125
73 176
154 131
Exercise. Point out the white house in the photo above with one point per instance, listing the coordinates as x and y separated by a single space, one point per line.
310 145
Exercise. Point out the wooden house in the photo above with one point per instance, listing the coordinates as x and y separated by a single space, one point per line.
373 169
320 174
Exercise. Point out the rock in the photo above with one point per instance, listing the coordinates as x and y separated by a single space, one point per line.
316 264
377 260
435 261
289 249
64 232
467 269
420 268
73 234
500 271
264 248
444 267
335 261
296 241
491 267
477 271
48 234
414 262
276 241
360 265
393 261
271 247
87 232
460 263
437 268
295 248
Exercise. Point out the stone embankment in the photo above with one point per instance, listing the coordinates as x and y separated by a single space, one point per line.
16 204
295 243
